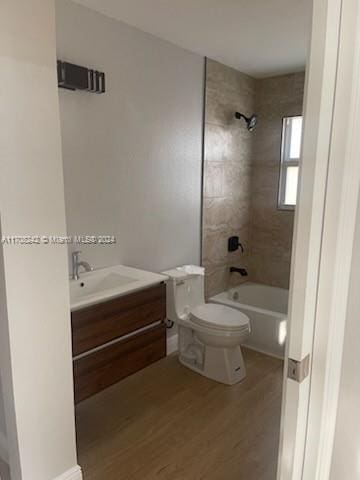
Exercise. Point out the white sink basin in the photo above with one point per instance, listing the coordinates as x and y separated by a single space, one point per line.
100 285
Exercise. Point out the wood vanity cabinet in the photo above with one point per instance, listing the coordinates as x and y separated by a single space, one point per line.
116 338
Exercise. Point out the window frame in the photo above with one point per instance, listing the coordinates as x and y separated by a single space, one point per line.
285 162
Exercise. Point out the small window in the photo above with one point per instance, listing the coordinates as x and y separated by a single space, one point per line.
290 159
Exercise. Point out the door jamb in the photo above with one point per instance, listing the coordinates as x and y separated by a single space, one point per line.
309 409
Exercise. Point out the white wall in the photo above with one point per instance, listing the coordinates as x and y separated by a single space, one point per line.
346 454
132 157
2 411
8 433
35 337
4 454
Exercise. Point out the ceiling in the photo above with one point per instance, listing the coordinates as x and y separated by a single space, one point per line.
258 37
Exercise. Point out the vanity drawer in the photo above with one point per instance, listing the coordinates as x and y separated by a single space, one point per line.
96 325
99 370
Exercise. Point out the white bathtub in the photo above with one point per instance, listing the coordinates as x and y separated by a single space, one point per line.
267 309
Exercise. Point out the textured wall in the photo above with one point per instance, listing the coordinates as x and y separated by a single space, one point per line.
226 203
241 174
132 157
271 229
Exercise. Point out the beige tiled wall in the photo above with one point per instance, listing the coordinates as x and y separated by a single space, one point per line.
227 173
271 229
241 171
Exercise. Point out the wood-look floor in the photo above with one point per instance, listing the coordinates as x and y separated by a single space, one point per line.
168 423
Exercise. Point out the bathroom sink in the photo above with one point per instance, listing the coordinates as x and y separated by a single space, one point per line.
96 284
103 284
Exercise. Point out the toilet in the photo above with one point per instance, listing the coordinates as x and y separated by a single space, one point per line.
209 334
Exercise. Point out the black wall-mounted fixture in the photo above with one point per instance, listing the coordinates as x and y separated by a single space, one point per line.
234 244
74 77
242 271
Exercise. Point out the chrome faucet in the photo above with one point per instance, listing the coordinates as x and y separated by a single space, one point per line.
76 264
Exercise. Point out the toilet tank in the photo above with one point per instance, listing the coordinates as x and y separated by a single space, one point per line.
184 291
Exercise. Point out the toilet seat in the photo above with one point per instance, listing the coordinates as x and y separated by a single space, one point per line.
220 317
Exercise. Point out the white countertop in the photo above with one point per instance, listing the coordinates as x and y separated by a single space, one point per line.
106 283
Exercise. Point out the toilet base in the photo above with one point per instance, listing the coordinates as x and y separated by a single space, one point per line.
224 365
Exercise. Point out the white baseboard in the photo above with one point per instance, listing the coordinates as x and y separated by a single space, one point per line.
4 451
74 473
172 344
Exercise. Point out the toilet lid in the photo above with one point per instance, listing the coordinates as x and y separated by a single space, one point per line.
220 317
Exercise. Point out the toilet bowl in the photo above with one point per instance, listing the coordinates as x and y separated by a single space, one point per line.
210 335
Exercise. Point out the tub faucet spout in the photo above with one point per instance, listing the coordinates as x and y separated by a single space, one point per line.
242 271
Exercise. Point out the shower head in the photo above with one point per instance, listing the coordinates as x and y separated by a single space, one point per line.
251 122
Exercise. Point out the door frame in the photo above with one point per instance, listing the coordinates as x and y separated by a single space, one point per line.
325 223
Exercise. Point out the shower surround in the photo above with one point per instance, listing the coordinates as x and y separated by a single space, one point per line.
227 173
271 228
241 172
